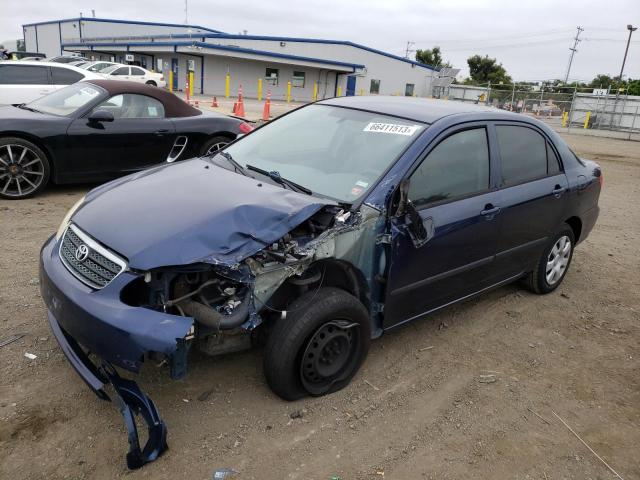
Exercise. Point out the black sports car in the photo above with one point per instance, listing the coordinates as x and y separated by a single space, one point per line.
97 130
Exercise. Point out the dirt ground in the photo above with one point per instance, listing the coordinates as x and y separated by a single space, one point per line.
467 393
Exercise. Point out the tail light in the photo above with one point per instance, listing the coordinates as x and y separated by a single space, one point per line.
162 78
244 127
600 178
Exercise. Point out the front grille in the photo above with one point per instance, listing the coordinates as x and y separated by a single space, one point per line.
98 267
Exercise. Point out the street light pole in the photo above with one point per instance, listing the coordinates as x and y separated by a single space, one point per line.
631 29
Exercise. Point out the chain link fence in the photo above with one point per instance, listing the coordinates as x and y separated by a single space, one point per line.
562 107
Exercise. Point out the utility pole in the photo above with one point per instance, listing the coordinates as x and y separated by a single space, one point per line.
409 50
631 29
186 12
573 51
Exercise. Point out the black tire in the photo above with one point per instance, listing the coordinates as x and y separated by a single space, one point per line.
211 142
152 83
537 280
296 338
24 168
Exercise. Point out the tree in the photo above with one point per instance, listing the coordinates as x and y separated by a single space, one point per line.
485 69
432 57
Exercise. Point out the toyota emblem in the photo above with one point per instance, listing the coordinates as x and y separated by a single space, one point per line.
82 252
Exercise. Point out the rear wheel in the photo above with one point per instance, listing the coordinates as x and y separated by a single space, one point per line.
319 346
24 168
213 144
152 83
554 262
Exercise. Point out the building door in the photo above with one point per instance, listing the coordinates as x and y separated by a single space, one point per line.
351 85
174 69
408 90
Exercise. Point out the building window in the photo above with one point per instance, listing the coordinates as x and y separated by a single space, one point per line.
375 86
272 76
408 89
298 79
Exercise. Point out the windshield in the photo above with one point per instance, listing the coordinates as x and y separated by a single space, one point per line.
67 100
110 69
336 152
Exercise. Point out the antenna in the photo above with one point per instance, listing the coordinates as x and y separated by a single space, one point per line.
573 51
186 12
409 49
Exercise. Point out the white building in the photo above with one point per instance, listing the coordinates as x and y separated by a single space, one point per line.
326 67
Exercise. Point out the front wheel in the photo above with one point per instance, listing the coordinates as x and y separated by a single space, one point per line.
554 262
319 346
24 168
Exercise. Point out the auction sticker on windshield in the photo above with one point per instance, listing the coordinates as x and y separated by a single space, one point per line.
391 128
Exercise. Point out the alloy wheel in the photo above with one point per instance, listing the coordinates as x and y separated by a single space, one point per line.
558 260
22 171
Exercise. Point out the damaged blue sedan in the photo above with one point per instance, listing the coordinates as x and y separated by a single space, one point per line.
311 235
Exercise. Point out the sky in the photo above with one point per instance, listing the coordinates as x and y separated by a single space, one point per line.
530 38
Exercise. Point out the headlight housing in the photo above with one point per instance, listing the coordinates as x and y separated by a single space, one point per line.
67 218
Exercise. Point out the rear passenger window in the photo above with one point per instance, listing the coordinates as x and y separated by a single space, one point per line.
457 167
23 75
64 76
136 71
553 165
523 152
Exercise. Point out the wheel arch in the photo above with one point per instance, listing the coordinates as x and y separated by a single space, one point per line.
576 225
37 141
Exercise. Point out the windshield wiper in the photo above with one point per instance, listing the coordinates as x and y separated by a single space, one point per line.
23 106
236 166
276 177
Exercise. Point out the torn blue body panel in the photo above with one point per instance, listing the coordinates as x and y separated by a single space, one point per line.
191 212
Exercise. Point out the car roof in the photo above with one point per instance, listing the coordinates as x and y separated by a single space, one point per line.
47 64
426 110
173 106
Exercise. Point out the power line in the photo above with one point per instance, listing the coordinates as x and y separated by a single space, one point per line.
573 51
501 37
409 50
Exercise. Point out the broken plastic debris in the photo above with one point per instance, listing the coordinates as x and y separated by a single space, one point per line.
222 473
30 356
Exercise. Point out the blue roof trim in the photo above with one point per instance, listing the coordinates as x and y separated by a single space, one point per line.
111 20
213 47
301 40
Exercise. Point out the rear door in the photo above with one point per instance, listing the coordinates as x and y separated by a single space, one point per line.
532 195
139 136
456 203
23 83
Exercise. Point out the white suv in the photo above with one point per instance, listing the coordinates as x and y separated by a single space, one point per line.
135 74
25 81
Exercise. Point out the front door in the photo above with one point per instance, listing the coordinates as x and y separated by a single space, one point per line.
139 136
174 69
351 85
456 214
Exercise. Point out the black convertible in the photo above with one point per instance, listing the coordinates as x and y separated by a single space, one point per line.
97 130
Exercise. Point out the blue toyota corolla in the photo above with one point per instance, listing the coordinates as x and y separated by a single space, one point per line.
312 235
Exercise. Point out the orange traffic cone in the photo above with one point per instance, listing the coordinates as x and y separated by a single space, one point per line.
214 102
239 111
266 112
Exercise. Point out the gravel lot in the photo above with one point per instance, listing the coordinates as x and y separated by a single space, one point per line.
467 393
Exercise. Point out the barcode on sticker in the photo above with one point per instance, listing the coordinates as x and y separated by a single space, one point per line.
391 128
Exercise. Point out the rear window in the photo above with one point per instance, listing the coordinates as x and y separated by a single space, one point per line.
64 76
23 75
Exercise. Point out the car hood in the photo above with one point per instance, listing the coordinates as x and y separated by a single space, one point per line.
9 112
191 211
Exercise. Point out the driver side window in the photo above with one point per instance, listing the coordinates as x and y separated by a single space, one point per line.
130 105
457 167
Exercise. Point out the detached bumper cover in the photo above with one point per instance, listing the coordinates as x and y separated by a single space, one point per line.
117 334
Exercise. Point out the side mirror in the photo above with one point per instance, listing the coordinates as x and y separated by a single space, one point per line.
100 116
420 231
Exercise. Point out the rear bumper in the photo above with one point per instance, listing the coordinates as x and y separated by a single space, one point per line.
99 321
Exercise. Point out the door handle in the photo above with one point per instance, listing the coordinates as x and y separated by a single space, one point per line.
558 190
489 210
161 133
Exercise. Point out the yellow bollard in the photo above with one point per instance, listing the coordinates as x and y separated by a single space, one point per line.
288 92
315 91
565 118
361 91
171 80
259 89
586 120
227 85
339 91
191 84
